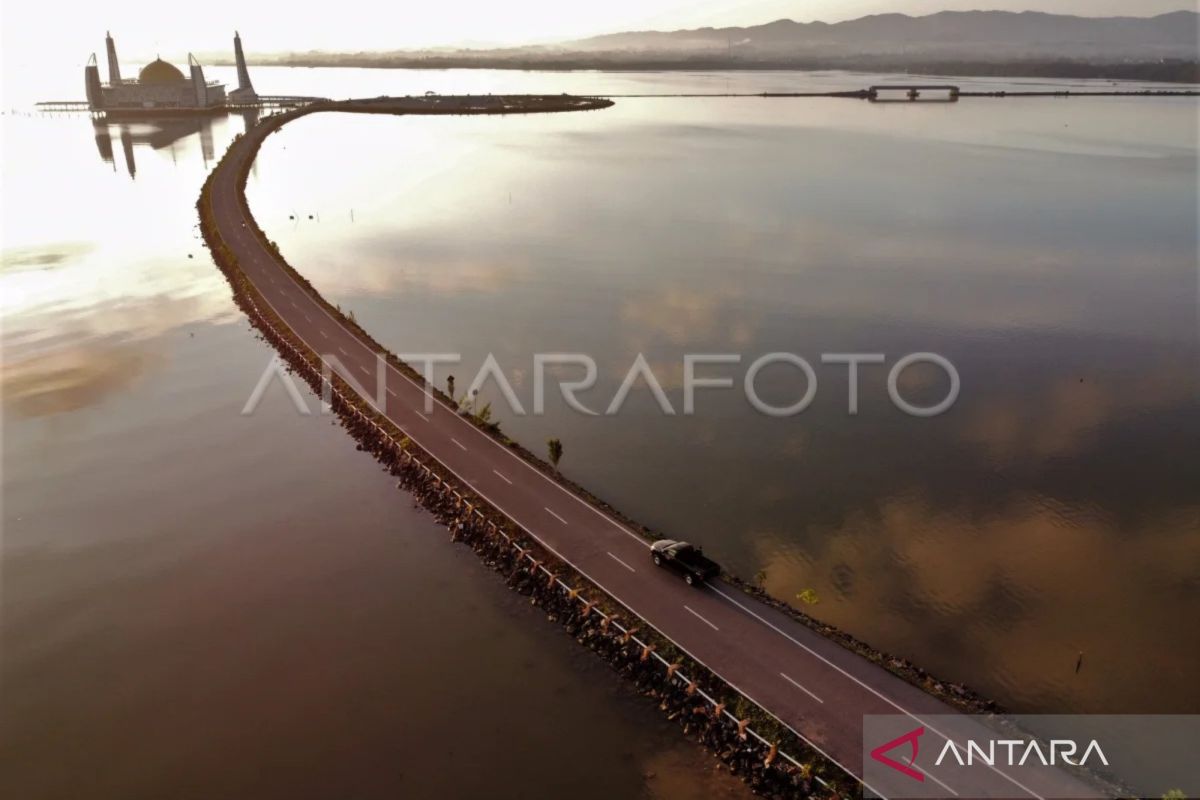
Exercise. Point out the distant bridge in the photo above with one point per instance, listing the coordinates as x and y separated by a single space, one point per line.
945 93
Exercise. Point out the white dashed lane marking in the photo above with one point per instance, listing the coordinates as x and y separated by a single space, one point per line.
702 619
801 688
622 563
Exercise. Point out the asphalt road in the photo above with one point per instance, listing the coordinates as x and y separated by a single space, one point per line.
815 686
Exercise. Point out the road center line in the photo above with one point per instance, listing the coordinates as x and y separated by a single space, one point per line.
702 619
501 474
557 517
389 391
364 369
793 682
619 561
457 442
342 350
419 414
326 335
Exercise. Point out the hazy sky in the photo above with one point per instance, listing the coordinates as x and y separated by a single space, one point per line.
44 33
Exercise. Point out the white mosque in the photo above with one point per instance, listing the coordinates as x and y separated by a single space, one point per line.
161 87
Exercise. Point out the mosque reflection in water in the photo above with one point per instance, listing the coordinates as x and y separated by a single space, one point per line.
160 134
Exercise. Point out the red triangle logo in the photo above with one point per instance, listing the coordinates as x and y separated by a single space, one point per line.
911 738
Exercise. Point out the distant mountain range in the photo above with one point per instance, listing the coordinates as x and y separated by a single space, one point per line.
988 34
1030 43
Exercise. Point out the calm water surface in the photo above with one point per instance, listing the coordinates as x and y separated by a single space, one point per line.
197 603
1046 247
244 605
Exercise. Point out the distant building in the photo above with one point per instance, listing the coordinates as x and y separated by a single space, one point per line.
245 91
161 87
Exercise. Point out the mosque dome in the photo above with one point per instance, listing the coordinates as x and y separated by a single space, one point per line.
159 71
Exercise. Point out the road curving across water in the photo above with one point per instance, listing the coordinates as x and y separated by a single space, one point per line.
813 685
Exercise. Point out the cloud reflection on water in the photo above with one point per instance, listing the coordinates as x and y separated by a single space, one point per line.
1034 245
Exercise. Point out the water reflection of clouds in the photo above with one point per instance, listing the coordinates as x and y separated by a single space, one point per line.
958 279
69 379
42 257
1062 417
811 233
1022 588
90 325
683 316
1035 253
421 272
1067 535
99 294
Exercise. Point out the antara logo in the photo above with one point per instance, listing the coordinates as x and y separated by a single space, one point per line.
1006 751
990 752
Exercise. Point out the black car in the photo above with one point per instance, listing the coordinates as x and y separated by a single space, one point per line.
686 559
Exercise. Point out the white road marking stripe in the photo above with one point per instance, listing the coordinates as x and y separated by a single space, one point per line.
364 369
557 517
326 335
622 563
457 442
419 414
342 350
702 619
501 474
793 682
389 391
